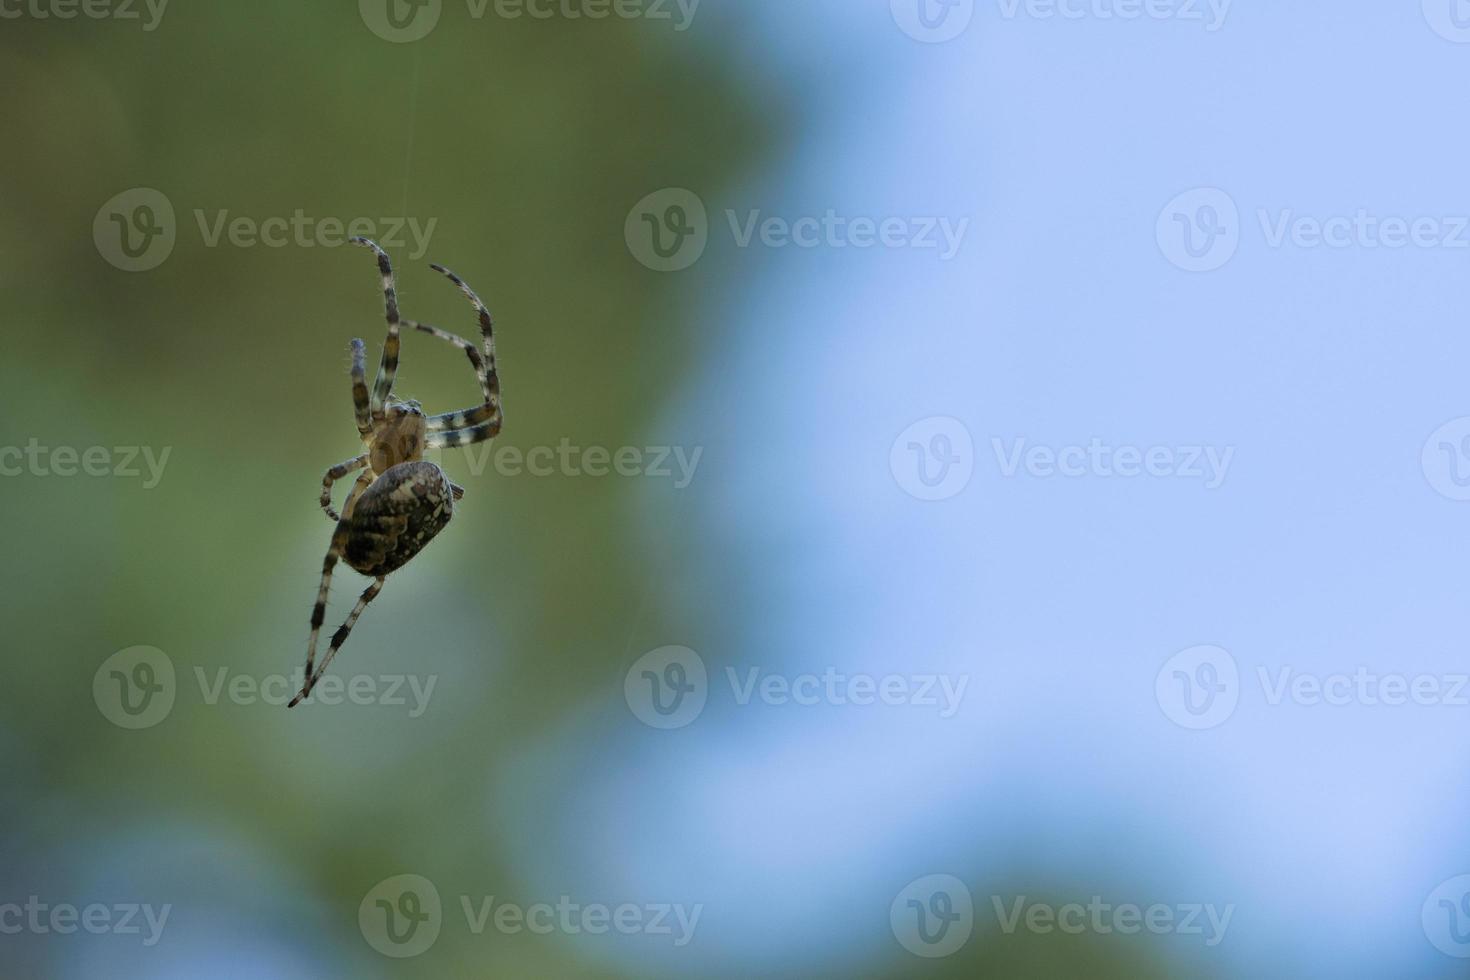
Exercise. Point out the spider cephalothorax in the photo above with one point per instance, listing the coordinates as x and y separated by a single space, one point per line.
400 500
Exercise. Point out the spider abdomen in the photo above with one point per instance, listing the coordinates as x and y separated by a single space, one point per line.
396 516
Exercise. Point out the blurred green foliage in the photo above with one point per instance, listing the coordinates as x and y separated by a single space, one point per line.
527 142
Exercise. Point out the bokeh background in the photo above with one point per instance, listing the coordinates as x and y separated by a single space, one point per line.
1114 174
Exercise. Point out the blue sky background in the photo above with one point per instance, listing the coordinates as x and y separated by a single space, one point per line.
1326 548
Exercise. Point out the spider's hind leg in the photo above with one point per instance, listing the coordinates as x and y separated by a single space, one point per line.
338 638
334 554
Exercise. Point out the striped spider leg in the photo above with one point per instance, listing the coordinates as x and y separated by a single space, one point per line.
399 501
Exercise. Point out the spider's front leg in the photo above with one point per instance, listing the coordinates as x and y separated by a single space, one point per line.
388 366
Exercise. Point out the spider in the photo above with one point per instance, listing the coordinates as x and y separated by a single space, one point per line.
400 500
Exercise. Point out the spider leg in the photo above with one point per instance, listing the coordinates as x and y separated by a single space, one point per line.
333 475
338 638
334 553
361 406
484 365
465 437
388 367
487 322
489 383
